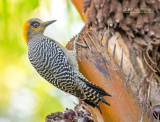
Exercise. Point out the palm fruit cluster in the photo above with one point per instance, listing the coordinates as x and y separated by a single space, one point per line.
80 114
138 20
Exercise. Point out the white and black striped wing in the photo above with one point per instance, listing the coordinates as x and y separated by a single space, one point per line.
51 63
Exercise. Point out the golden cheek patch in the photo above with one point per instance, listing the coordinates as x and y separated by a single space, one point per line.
25 30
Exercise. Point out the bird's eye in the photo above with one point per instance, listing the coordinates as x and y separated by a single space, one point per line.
35 24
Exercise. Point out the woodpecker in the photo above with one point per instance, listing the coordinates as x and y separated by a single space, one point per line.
58 65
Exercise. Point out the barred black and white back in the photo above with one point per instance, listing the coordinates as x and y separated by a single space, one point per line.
51 62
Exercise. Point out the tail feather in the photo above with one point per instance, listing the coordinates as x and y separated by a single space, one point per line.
104 101
95 94
93 86
97 105
90 103
99 108
98 89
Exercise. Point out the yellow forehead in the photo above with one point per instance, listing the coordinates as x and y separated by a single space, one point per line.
25 30
26 26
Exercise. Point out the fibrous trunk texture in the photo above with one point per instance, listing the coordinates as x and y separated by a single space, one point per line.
134 26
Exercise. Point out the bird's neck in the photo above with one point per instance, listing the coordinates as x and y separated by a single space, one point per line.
33 37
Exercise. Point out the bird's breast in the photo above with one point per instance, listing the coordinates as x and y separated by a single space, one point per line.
39 55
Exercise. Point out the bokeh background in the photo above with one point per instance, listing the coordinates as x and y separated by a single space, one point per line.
24 95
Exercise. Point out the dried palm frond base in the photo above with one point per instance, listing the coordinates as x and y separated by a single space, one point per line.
106 63
143 81
133 26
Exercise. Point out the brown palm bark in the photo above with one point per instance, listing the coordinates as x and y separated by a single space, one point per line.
99 67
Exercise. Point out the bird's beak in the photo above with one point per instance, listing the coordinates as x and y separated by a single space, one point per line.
48 23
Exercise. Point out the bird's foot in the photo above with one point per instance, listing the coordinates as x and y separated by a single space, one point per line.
81 44
77 43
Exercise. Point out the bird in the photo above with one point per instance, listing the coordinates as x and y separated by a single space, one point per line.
58 65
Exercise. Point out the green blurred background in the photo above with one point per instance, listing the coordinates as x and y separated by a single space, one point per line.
24 95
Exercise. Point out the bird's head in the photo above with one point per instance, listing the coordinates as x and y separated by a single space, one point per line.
34 27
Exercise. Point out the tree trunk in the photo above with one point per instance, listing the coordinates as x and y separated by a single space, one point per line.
100 68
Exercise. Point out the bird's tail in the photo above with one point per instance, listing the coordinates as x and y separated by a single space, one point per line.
98 89
97 96
94 94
